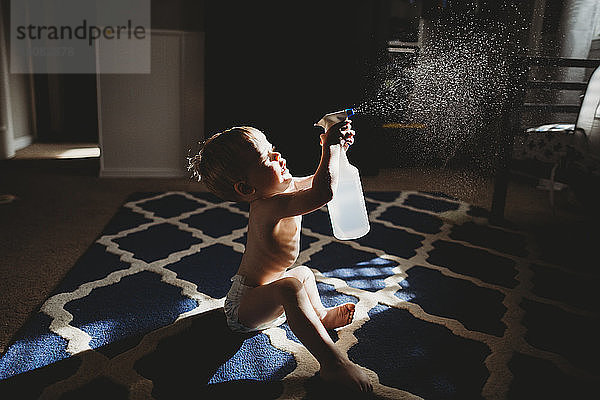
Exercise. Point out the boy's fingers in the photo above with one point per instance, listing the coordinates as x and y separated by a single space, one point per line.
338 125
342 130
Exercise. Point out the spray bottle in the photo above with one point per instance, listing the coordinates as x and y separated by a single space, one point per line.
347 209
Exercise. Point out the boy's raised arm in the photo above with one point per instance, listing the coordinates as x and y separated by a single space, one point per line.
323 181
303 183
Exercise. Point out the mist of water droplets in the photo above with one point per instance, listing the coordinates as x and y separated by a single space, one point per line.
457 86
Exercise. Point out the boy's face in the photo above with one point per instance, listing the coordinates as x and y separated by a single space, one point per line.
270 175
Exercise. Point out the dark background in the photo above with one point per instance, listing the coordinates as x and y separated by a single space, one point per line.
281 66
278 66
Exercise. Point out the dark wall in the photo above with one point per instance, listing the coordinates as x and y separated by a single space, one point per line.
67 109
185 15
280 66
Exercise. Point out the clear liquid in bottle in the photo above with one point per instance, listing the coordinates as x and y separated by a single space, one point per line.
347 209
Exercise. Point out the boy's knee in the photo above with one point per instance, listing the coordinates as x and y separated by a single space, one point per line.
302 273
289 288
304 270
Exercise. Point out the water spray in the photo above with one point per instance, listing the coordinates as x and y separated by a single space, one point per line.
449 99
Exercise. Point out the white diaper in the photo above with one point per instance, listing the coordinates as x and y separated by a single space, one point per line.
232 305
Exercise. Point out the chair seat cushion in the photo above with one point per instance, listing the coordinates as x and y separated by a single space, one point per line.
553 128
546 143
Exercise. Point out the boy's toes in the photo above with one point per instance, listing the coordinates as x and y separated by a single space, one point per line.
339 316
350 307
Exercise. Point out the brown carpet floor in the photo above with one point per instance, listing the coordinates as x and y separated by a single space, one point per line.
62 206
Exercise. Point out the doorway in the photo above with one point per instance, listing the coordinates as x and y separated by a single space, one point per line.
66 118
66 108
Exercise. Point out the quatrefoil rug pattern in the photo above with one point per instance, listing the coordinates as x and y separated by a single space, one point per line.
447 307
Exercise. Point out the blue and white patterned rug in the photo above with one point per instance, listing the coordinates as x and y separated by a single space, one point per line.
447 307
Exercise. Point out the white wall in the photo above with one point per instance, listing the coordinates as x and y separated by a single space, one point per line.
148 122
22 107
17 116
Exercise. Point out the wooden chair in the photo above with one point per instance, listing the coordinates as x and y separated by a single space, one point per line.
558 145
550 150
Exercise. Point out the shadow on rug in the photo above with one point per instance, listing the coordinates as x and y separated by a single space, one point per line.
447 307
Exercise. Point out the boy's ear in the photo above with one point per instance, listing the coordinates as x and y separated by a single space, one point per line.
243 189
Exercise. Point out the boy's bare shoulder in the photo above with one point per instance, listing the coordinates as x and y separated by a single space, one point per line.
273 202
271 207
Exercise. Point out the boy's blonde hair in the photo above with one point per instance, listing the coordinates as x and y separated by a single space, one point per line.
224 159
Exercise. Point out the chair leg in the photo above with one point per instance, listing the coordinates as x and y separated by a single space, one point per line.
552 177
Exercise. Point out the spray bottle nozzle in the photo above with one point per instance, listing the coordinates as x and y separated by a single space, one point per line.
333 118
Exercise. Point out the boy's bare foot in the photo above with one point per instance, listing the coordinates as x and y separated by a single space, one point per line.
348 375
338 316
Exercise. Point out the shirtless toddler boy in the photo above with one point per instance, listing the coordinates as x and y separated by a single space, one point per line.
241 165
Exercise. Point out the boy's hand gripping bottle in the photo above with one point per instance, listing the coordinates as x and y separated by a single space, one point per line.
347 209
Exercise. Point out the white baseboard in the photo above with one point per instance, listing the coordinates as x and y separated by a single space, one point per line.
22 142
142 173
